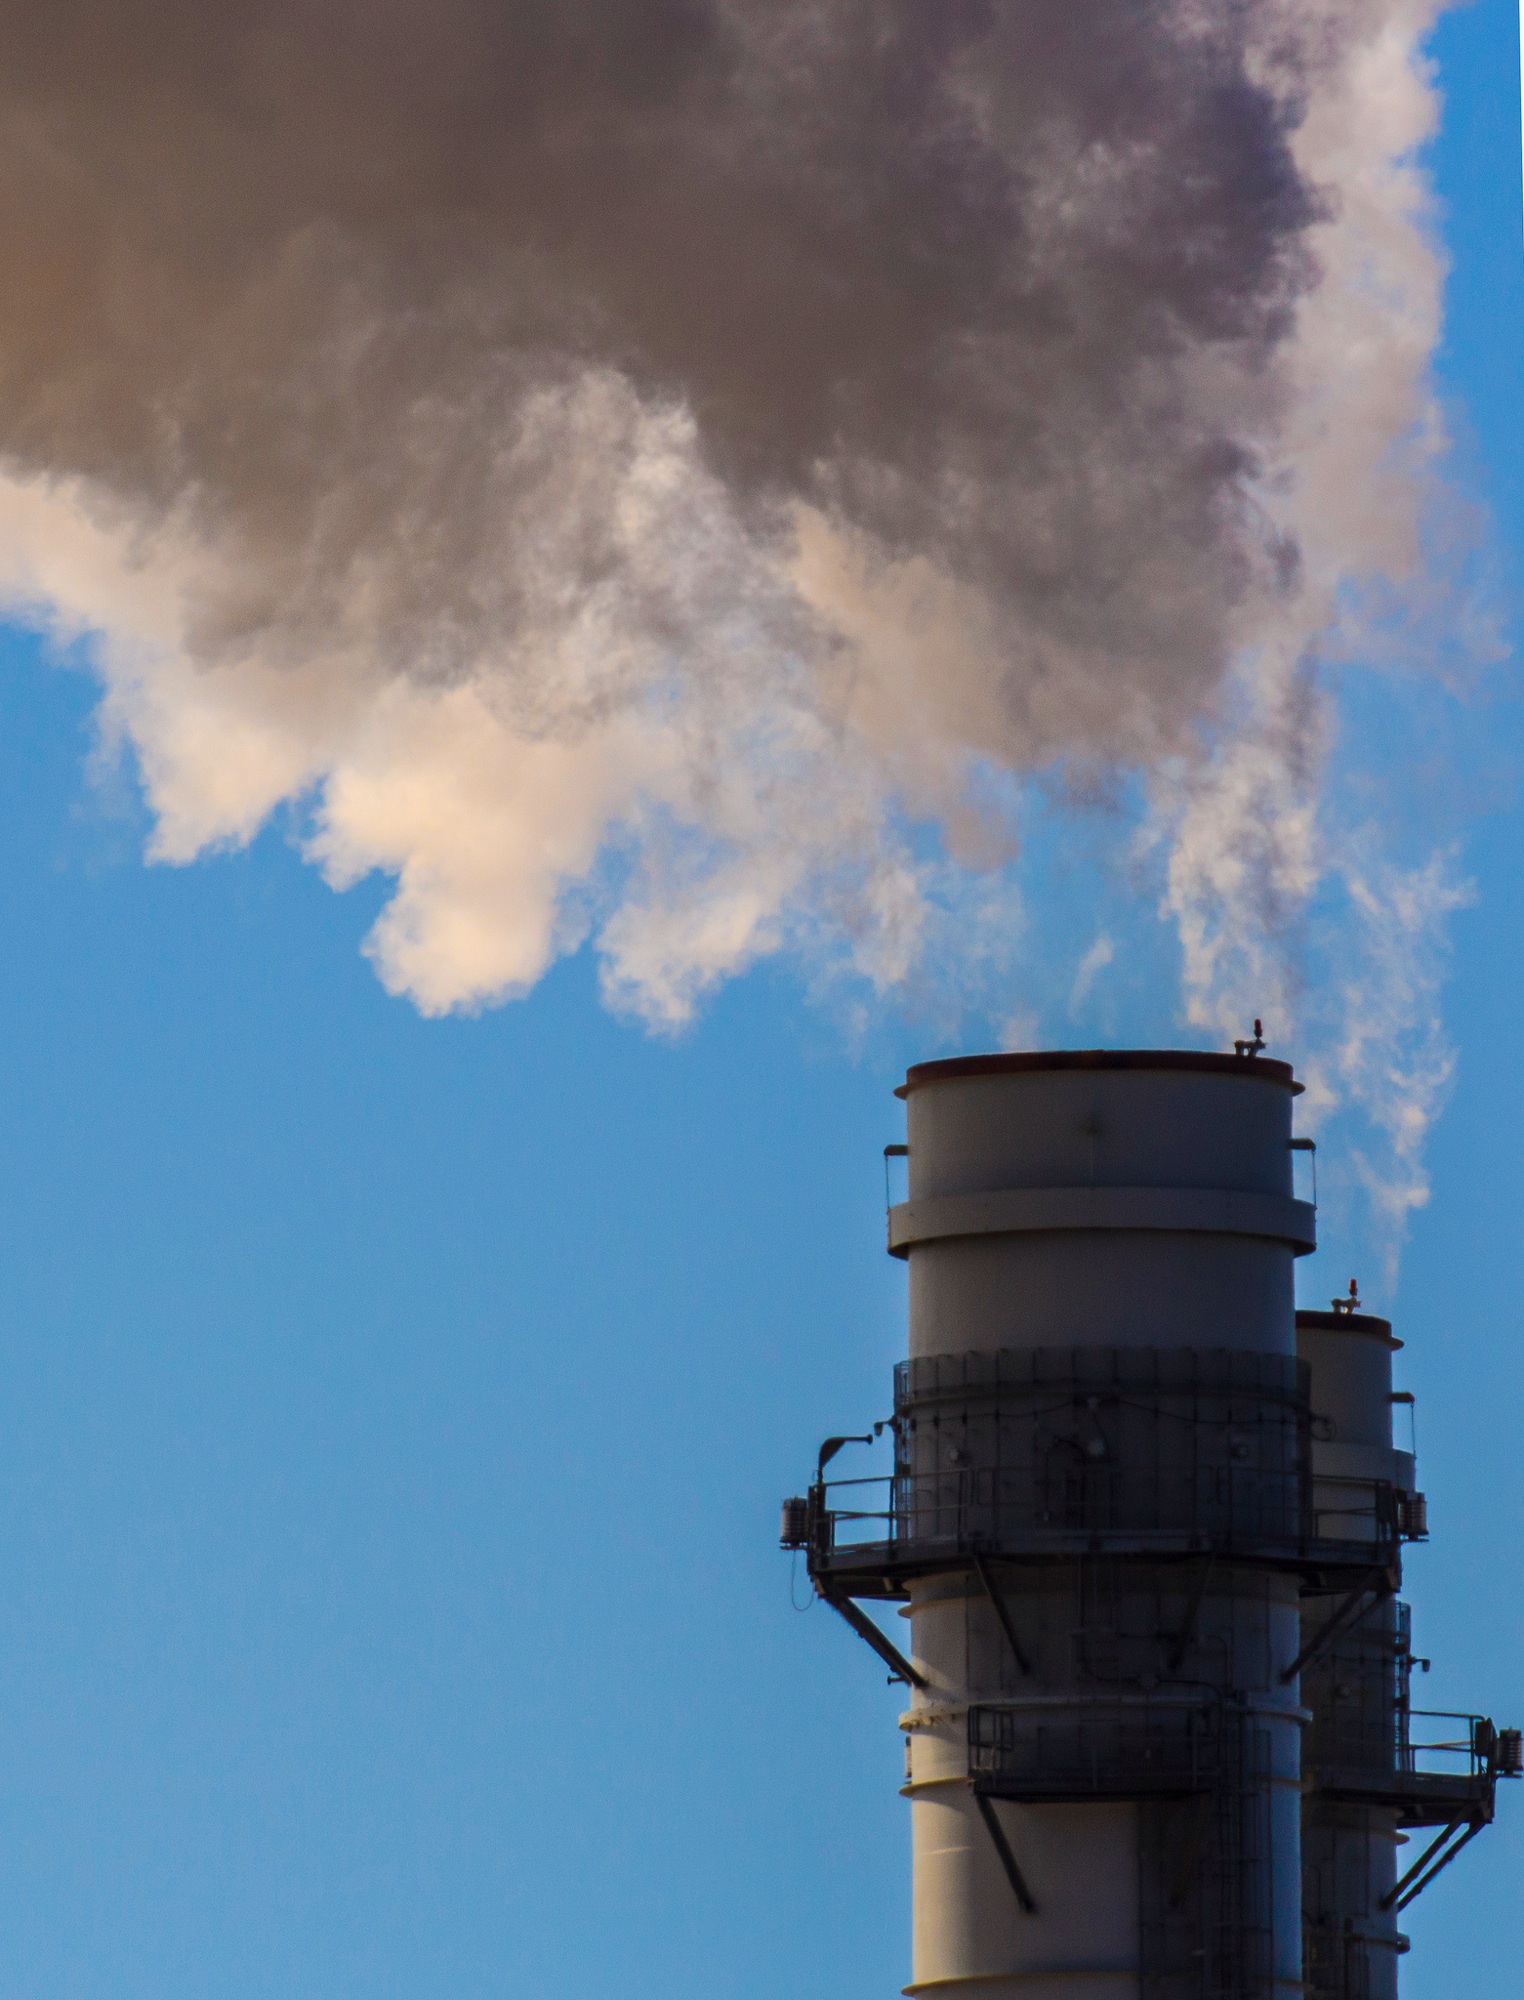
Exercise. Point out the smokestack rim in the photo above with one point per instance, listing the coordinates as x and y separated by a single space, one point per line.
1029 1062
1369 1324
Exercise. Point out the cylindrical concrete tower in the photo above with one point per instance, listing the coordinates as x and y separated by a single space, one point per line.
1390 1794
1102 1383
1357 1688
1121 1529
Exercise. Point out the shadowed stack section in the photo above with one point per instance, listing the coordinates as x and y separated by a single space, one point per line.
1392 1793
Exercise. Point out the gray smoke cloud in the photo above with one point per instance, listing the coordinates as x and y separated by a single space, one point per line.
994 287
622 464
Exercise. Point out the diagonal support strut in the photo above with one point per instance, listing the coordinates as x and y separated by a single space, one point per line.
1008 1860
1003 1612
1377 1587
1431 1863
867 1631
1187 1632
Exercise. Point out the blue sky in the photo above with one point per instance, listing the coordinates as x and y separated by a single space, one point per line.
393 1413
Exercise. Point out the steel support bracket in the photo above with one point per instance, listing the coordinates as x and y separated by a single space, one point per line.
1435 1858
1187 1632
1377 1587
1008 1860
1002 1611
869 1633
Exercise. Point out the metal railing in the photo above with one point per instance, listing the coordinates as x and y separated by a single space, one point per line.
1466 1749
1434 1768
1012 1509
1345 1509
1148 1750
1021 1451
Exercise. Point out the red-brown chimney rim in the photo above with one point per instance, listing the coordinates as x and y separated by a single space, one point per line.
1032 1061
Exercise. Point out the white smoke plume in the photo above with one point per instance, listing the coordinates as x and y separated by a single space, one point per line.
654 471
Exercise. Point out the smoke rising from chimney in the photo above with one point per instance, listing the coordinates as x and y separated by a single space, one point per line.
630 468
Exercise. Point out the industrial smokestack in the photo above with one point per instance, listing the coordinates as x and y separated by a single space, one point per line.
1145 1521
